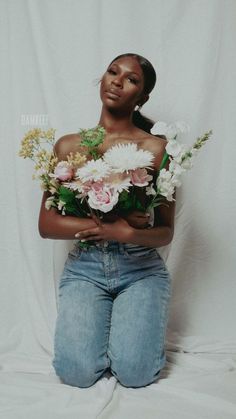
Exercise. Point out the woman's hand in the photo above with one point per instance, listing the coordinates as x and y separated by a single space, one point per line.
119 230
137 219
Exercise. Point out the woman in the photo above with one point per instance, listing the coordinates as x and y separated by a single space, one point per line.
113 297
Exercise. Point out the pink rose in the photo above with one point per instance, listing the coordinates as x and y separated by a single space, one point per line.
63 171
140 177
102 197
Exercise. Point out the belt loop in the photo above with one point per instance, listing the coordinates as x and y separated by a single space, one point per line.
121 248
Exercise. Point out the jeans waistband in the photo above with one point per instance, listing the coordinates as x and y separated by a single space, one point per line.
111 244
114 245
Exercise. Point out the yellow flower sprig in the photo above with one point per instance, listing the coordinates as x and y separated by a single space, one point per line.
45 160
76 159
33 147
32 141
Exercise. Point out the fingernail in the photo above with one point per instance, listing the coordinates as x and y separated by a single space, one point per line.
82 240
77 235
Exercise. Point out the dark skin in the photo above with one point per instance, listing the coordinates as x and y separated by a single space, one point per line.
120 91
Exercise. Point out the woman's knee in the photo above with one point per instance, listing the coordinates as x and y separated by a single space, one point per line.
76 373
132 373
135 379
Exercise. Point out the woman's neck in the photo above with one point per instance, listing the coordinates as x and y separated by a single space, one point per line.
114 122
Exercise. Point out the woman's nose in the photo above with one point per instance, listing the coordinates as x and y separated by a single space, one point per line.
117 81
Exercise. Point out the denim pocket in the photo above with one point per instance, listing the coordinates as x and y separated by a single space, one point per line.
135 252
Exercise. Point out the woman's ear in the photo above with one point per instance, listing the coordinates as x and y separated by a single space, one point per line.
143 100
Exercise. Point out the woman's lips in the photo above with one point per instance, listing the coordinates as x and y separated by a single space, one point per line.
112 94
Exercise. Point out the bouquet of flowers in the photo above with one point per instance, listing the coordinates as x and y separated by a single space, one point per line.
90 183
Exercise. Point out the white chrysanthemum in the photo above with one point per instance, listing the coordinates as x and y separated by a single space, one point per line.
124 157
76 185
93 170
118 181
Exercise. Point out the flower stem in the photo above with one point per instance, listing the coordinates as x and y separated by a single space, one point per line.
93 216
164 160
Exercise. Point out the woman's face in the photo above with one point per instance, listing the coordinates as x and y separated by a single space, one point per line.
122 85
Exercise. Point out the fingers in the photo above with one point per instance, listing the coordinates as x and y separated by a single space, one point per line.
92 234
143 215
85 234
94 237
96 219
138 219
91 238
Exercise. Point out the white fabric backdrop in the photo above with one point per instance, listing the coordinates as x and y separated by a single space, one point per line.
52 54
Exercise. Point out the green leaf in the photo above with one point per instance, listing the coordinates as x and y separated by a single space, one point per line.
66 195
125 202
139 206
123 196
92 137
69 198
85 245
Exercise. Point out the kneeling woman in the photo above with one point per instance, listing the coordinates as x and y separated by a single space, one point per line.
114 296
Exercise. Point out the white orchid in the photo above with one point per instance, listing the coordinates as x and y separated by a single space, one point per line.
165 187
187 164
173 148
180 159
182 127
159 128
150 190
176 168
169 130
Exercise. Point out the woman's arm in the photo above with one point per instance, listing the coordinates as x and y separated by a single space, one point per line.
53 225
159 235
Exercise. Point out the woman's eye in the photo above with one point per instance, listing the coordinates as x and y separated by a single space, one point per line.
110 71
134 81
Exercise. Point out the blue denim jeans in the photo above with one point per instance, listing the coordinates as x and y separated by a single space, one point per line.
113 308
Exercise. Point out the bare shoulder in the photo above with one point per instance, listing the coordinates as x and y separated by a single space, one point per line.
156 145
67 144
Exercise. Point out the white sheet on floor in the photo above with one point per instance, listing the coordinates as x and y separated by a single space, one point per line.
192 386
